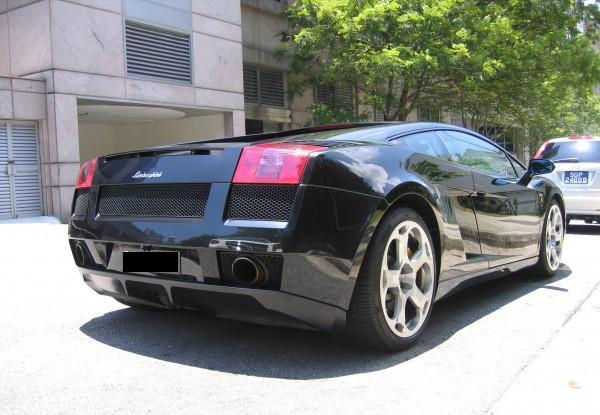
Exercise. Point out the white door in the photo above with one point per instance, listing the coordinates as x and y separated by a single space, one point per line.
20 184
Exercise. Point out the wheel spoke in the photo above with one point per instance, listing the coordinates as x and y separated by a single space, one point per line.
391 279
419 258
400 314
418 298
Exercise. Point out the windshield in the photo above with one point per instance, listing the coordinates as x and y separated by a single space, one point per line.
583 151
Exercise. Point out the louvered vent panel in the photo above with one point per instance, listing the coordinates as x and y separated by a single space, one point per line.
326 95
3 145
157 53
27 184
344 96
271 88
5 209
28 201
24 144
250 84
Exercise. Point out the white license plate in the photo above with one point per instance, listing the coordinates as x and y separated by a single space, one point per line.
576 177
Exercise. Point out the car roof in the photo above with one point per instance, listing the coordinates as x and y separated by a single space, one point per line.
574 138
357 131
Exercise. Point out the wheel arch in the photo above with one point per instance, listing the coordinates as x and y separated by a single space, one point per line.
412 195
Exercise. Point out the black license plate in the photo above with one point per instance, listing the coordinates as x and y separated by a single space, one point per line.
151 261
576 177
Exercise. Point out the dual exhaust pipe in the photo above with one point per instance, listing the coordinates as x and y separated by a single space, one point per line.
248 271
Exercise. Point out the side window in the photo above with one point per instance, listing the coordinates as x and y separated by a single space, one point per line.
473 152
519 169
425 143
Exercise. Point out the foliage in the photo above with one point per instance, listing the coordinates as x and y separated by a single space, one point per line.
497 64
324 114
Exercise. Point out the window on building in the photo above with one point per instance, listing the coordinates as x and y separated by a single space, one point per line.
429 112
264 86
157 53
379 115
335 96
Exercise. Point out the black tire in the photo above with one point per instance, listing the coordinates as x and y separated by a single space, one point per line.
366 324
138 306
543 267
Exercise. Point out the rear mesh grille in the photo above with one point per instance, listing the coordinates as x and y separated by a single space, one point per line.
81 203
261 202
154 200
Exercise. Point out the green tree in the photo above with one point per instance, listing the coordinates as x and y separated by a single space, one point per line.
497 64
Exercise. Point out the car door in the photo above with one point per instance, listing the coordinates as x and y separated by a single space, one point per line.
506 212
426 156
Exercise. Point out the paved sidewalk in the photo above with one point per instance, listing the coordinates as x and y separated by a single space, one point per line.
565 376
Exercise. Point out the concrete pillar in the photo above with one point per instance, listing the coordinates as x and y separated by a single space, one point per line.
235 123
63 144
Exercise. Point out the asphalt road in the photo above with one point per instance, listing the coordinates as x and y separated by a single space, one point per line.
64 349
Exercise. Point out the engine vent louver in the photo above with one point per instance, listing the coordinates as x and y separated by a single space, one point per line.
157 53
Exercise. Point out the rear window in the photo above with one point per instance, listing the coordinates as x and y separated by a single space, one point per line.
585 151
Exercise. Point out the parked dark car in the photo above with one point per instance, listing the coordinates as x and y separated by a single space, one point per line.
355 228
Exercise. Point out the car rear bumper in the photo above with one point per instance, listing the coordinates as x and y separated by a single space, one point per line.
577 204
246 304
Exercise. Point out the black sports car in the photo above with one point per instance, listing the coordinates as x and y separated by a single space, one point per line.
354 228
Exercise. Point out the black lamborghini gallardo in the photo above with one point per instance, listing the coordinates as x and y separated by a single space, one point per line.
354 228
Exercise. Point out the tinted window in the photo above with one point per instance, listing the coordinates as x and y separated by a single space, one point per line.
424 143
520 169
473 152
575 150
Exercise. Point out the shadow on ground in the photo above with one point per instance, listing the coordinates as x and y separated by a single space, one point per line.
577 229
188 338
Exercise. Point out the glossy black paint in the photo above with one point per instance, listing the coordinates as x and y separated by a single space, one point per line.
481 225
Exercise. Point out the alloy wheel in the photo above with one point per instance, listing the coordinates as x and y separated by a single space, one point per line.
407 279
554 237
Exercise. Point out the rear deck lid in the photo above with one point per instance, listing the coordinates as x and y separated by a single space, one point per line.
173 164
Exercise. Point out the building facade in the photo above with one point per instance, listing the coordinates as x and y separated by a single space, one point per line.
83 78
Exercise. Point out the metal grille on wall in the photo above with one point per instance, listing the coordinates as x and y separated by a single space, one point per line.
157 53
335 96
20 183
264 86
429 112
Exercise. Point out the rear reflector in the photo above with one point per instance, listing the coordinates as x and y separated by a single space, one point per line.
86 174
278 163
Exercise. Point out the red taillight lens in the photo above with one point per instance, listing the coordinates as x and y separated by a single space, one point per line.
280 163
86 174
539 153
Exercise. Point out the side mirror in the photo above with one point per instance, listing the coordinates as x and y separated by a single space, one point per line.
541 166
536 167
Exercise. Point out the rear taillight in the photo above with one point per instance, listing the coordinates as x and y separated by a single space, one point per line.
278 163
86 174
539 153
